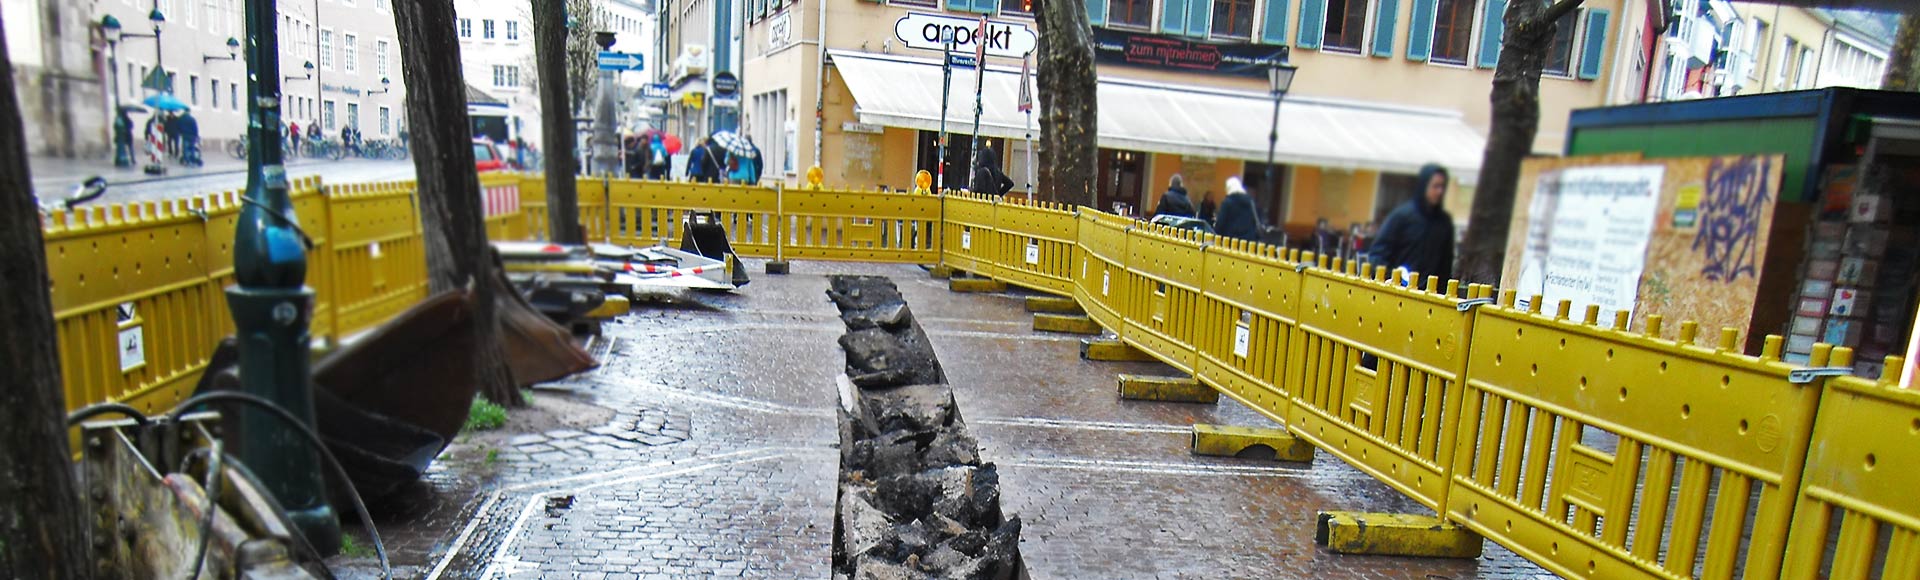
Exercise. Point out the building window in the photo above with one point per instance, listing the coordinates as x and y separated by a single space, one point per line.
350 51
213 93
486 29
1130 13
233 95
326 115
513 30
326 49
193 90
380 58
1761 40
466 28
506 76
386 121
1803 78
1346 25
1233 18
353 115
1560 53
1452 31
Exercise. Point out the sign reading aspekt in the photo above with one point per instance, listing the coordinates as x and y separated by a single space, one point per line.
1175 53
1005 39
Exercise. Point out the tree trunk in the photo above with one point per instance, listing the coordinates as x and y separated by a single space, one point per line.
1068 90
1516 120
42 530
1903 63
556 121
458 255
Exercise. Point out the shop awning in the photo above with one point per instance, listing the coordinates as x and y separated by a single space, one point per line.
904 92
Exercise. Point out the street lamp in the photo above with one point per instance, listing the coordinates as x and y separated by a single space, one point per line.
386 86
1279 79
233 52
110 28
308 66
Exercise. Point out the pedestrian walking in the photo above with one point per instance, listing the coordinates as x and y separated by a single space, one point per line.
1174 202
171 129
703 165
1237 217
638 157
189 130
1418 235
987 176
658 158
293 139
123 140
1207 206
1326 241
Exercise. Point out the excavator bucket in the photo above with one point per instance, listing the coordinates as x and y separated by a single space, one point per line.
707 237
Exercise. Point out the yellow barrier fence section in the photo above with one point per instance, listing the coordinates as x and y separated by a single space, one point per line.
860 226
1603 453
1163 292
378 251
1376 374
591 198
1858 515
645 213
1033 244
1248 300
500 195
1100 285
967 222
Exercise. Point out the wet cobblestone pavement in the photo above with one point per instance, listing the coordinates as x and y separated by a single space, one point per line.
718 460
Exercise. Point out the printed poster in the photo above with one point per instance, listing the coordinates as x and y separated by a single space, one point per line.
1588 244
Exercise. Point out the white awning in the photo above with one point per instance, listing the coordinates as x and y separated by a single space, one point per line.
905 92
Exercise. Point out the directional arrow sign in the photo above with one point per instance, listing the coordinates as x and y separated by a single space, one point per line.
621 61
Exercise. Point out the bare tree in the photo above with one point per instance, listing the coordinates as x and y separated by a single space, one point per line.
1068 89
556 125
1529 28
42 533
1903 62
458 255
583 56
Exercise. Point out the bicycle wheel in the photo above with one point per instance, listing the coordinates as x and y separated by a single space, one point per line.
336 151
237 148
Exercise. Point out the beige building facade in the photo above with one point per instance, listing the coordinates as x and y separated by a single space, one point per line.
1383 87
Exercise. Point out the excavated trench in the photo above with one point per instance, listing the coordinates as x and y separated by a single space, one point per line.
915 501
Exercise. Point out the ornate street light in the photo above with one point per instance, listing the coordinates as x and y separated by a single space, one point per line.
386 86
1279 80
233 52
308 66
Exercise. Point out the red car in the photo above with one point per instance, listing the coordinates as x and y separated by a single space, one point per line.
486 157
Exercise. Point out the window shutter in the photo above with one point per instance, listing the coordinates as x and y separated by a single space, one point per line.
1313 22
1385 13
1492 27
960 5
986 6
1420 30
1199 16
1173 16
1097 12
1274 28
1595 51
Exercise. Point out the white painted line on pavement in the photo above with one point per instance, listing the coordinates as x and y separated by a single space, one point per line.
1166 468
1080 425
730 401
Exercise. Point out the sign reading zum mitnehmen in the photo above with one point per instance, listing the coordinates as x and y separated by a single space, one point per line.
1004 39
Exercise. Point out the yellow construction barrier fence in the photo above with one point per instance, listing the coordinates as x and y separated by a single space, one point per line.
1595 450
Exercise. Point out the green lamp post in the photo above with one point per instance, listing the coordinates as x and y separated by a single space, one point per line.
272 305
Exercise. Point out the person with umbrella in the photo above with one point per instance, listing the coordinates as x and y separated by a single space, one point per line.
704 163
742 159
189 131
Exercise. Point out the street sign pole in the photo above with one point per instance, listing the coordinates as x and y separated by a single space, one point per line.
979 84
272 306
946 88
1026 106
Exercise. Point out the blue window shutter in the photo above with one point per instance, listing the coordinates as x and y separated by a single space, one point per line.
1492 28
960 5
1313 22
1595 50
1199 16
986 6
1173 16
1274 30
1097 12
1385 13
1420 30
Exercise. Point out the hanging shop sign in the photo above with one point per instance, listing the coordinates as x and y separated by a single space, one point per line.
1169 52
1005 39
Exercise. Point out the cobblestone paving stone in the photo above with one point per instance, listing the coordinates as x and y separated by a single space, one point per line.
719 461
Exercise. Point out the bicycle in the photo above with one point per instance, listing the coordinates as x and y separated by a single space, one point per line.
238 147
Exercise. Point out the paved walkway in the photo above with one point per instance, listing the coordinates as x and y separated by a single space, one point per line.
720 458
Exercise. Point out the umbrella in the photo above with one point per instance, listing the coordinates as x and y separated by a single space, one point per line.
133 109
165 102
671 142
735 144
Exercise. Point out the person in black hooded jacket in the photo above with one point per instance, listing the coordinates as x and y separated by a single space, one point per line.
1238 217
1418 235
1174 201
